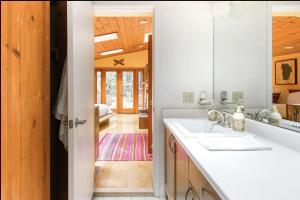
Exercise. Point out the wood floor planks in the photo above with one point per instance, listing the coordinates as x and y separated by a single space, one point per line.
123 176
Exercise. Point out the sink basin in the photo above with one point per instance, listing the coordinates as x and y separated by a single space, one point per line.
197 127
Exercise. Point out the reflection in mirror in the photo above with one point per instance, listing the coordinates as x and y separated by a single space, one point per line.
285 57
256 52
240 54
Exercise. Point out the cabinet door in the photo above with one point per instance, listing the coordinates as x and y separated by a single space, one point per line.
203 189
169 165
191 194
181 172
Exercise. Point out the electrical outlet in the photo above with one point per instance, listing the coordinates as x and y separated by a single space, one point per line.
188 97
237 96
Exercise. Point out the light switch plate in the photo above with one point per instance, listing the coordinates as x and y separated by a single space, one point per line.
188 97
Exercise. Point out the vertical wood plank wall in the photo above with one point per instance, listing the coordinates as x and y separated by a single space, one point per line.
25 100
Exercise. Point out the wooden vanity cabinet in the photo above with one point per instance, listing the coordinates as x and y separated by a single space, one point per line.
183 180
181 172
203 189
170 165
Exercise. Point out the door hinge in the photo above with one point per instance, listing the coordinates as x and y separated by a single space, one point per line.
70 123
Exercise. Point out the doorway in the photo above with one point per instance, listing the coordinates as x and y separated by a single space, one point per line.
121 89
123 100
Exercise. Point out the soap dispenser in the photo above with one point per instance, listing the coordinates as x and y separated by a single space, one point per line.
238 119
275 116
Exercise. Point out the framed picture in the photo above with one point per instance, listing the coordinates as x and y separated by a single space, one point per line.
286 72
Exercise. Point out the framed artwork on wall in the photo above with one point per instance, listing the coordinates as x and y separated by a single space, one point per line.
286 72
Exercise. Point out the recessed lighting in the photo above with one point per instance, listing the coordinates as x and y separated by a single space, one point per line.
143 22
102 38
104 53
288 47
146 37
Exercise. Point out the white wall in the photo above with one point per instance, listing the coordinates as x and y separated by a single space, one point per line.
183 55
240 52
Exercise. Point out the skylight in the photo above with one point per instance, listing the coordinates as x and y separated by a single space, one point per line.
104 53
106 37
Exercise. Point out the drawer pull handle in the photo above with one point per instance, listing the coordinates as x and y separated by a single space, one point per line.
187 193
169 141
172 144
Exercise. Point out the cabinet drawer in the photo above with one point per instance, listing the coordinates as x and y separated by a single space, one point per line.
199 183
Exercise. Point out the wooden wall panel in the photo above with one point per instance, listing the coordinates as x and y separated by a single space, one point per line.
25 97
10 101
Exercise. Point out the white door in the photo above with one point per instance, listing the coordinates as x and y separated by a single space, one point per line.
80 99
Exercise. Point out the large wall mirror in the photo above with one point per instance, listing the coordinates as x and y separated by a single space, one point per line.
257 58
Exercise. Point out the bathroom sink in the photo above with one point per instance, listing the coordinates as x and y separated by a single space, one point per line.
197 127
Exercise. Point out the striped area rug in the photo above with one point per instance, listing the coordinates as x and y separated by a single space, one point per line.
124 146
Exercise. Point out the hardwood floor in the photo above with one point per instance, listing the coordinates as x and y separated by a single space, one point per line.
123 176
123 123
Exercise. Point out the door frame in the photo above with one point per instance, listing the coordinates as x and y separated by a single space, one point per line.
134 9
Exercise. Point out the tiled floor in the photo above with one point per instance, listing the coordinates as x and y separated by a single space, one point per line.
130 198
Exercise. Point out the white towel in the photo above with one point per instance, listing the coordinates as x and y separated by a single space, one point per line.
243 143
61 108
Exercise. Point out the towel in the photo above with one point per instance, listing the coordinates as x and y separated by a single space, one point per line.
243 143
61 108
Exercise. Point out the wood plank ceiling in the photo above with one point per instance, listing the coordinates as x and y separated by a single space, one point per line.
286 32
130 31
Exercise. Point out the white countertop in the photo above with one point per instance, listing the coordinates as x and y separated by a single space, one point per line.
246 175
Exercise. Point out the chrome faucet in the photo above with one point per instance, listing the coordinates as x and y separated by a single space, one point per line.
259 115
221 118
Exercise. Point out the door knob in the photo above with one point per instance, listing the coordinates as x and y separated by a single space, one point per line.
79 122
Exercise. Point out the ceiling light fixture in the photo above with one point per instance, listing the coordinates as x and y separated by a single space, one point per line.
102 38
104 53
146 37
288 47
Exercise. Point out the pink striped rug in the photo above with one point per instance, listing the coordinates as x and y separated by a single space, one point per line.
124 146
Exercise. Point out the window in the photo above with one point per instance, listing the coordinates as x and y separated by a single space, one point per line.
140 89
127 93
98 87
111 89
